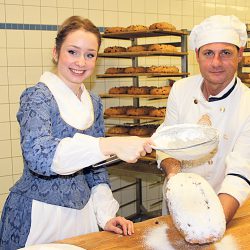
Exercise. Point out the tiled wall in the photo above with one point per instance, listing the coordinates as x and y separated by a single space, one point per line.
27 31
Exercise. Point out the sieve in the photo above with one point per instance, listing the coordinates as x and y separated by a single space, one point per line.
186 141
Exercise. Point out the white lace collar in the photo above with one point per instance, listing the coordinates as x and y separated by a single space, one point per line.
76 113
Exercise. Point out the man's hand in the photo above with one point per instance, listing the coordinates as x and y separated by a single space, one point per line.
229 204
170 166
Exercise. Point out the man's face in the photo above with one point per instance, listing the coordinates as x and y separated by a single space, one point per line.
218 63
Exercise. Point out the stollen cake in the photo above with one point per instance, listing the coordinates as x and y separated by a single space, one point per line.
195 208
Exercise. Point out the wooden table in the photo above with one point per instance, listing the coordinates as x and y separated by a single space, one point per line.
237 236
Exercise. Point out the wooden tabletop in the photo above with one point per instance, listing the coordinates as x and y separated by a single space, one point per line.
159 233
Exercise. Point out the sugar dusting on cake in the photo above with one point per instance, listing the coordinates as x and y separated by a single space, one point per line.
195 208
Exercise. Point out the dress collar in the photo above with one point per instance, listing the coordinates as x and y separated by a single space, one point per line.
77 113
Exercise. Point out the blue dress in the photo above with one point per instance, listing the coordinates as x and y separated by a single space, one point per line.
42 128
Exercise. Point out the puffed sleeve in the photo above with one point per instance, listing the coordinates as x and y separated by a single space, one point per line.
37 143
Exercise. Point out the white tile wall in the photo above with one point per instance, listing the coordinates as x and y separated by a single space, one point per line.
25 54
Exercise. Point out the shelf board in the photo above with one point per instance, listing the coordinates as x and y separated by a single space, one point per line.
142 74
133 117
151 97
142 34
141 53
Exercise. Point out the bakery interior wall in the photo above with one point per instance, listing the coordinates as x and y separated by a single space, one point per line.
27 31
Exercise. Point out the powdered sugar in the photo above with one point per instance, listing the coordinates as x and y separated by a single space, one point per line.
157 238
227 243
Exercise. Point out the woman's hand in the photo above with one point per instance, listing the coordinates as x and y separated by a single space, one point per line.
120 225
127 148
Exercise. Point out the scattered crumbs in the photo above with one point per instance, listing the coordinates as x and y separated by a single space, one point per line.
228 242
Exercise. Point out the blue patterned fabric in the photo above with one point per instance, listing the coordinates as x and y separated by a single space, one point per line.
42 129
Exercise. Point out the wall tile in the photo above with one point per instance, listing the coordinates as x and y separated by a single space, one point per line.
16 75
48 39
150 6
4 112
187 8
138 6
6 184
138 18
124 5
65 4
49 15
3 76
4 94
3 41
4 131
5 151
3 198
81 4
47 57
32 2
96 5
32 14
164 7
175 7
15 130
110 5
199 9
64 13
17 165
13 107
33 57
81 12
15 38
15 57
33 39
32 75
110 18
19 2
16 148
15 92
48 3
5 167
14 13
124 19
96 16
2 13
3 61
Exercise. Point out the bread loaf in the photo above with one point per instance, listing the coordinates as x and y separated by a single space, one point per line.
195 208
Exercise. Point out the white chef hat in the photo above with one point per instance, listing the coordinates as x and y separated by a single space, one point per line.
218 28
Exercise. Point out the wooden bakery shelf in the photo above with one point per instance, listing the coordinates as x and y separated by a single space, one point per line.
142 74
151 97
147 33
133 117
141 53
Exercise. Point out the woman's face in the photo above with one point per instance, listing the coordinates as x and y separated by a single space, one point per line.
77 57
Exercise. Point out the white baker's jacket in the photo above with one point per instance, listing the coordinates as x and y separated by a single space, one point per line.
231 116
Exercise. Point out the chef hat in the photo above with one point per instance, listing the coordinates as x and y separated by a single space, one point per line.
218 28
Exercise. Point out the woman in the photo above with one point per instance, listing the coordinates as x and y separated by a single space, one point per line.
60 193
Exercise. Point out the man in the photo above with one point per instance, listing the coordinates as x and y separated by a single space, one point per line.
218 98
